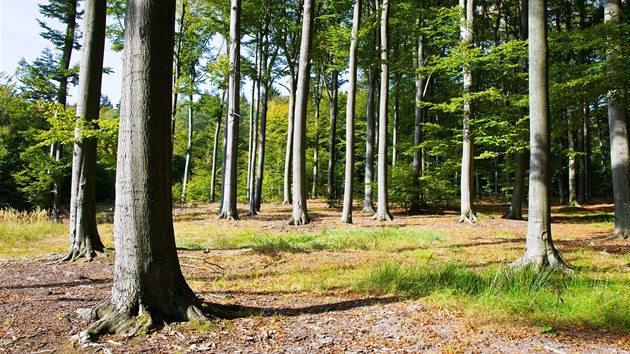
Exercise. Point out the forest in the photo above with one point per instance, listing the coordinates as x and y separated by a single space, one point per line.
276 168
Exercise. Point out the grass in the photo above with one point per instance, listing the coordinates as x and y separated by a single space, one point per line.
24 233
548 299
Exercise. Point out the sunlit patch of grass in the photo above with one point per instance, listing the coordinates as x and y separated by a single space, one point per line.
548 298
27 233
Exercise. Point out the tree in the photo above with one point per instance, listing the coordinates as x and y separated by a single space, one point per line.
368 205
148 287
466 190
382 208
228 205
299 215
619 139
540 252
84 238
346 215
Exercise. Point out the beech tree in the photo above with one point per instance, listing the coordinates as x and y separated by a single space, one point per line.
229 187
84 238
382 208
540 252
619 139
299 215
148 287
346 215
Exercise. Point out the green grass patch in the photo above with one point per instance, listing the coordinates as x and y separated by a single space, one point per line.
548 298
25 233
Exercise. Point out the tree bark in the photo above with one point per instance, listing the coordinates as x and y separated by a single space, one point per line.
215 150
84 238
368 204
346 214
299 215
332 153
318 99
229 210
619 139
188 147
382 208
417 133
540 252
177 58
467 212
148 287
396 117
288 152
253 129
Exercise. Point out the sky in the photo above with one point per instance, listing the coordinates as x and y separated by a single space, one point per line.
19 38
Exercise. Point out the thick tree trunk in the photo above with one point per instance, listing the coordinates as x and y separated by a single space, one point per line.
540 252
148 287
346 214
300 212
619 140
467 212
382 207
215 150
84 238
288 152
332 153
229 210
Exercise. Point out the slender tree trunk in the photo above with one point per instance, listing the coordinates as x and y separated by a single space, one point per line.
396 118
518 194
417 133
188 148
228 210
300 212
572 167
178 66
619 139
84 238
62 93
262 134
581 187
332 153
382 208
215 150
253 117
587 154
467 212
540 252
148 287
368 205
289 149
318 99
346 214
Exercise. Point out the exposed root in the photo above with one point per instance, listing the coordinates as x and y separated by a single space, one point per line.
574 204
552 261
286 202
228 215
368 209
383 216
302 220
469 217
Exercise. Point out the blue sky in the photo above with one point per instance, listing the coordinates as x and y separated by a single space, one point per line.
19 38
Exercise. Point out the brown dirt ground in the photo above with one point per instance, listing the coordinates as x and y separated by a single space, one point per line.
39 300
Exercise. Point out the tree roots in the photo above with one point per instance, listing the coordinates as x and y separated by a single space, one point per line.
468 216
382 216
553 261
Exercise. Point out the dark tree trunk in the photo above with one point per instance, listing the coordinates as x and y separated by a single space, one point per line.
149 288
84 238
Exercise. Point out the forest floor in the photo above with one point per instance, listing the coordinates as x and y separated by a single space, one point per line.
305 299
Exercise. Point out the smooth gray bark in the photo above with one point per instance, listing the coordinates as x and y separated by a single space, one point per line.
299 215
187 165
177 72
84 238
396 117
619 139
332 140
228 207
467 212
149 288
370 137
417 128
382 206
540 252
253 129
215 150
572 165
318 99
289 147
346 214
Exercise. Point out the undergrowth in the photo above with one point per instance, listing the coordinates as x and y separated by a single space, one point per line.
547 298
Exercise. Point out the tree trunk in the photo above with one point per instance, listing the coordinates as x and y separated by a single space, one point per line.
619 139
518 194
215 150
84 238
587 154
467 212
346 214
253 126
318 99
368 205
417 133
396 117
572 167
188 148
300 212
148 287
288 153
262 137
332 154
540 252
382 209
228 210
178 67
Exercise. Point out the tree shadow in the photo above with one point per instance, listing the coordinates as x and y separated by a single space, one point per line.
69 284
